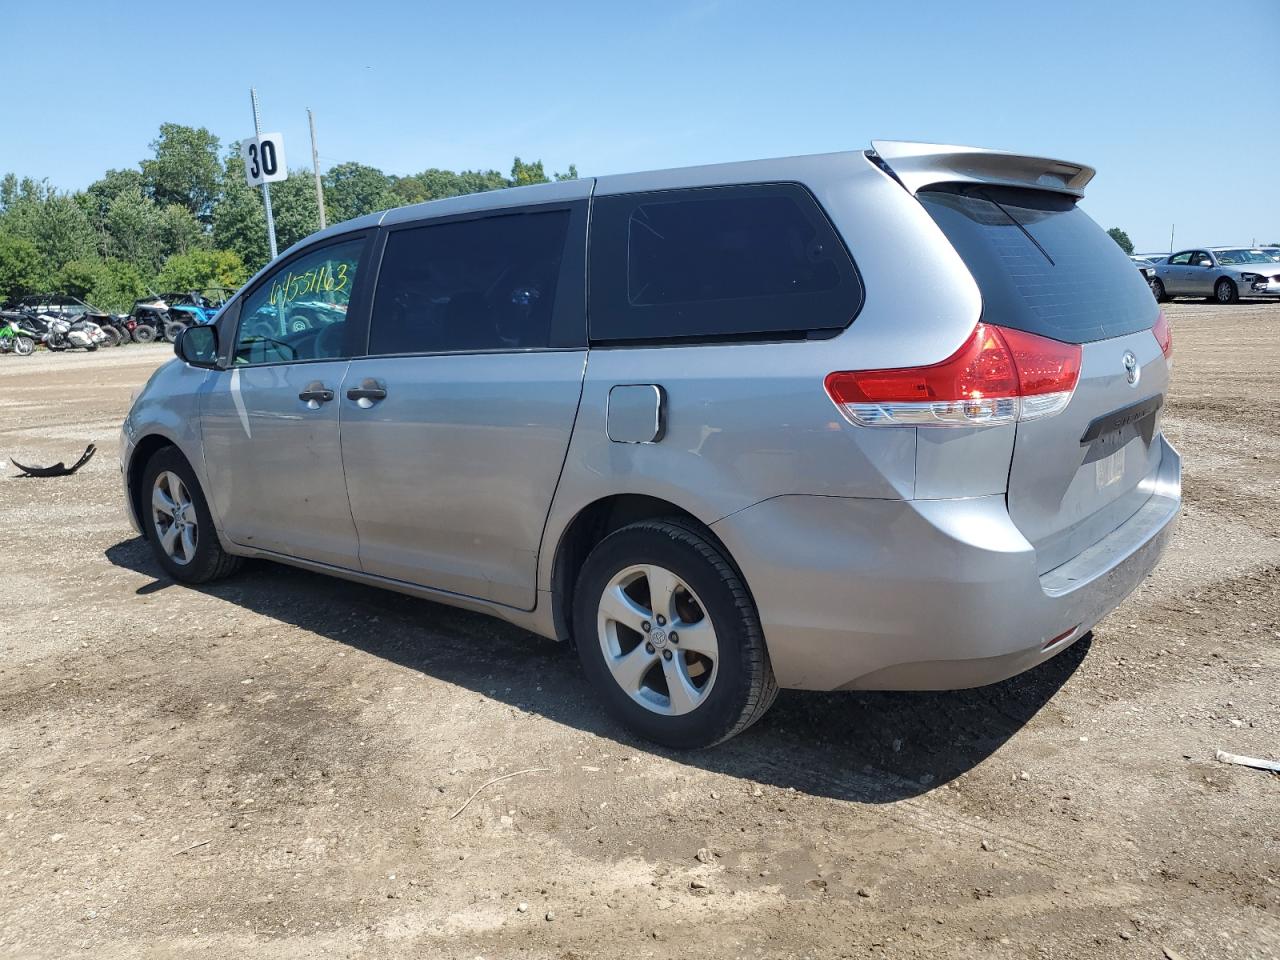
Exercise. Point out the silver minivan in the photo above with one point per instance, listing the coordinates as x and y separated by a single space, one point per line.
885 419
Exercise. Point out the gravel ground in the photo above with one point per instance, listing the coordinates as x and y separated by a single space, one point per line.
269 766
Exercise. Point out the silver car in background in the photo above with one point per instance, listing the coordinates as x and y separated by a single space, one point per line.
1223 274
885 419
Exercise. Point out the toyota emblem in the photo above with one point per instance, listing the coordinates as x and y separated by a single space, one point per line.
1131 369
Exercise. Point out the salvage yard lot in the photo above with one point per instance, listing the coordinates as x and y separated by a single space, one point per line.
268 766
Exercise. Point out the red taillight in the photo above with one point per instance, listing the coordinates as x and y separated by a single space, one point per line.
998 376
1164 335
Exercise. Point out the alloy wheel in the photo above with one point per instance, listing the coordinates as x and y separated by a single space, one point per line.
174 518
659 644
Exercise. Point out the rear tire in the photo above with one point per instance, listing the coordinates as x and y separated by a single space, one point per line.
1225 291
112 335
659 577
24 346
144 333
168 478
1157 289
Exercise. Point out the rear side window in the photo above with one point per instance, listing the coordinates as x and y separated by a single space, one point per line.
737 262
470 285
1042 264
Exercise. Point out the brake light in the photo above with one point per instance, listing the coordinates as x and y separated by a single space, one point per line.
998 376
1164 335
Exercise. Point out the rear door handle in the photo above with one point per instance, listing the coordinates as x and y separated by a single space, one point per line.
316 394
368 393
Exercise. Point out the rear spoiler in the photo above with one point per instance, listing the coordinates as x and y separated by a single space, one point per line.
919 165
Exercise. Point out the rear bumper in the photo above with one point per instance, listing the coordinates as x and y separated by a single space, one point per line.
929 594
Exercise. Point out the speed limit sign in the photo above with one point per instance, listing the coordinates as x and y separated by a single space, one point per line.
264 159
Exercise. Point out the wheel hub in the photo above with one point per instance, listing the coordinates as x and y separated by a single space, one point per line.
642 611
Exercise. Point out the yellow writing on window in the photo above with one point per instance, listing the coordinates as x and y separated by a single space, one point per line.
319 280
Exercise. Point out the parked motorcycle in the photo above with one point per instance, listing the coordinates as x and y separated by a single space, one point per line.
15 339
59 334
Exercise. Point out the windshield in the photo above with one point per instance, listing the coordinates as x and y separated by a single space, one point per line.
1243 256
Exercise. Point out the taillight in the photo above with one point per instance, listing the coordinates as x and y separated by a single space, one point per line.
1164 335
998 376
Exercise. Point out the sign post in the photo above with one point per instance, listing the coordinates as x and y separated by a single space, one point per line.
264 164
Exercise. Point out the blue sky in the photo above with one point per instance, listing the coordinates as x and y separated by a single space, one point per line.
1174 101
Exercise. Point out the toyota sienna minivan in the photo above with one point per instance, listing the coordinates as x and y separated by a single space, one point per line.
885 419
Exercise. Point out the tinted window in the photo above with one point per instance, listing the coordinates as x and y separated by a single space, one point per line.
720 262
1042 264
487 284
300 311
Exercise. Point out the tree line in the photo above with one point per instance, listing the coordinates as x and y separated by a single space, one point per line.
184 219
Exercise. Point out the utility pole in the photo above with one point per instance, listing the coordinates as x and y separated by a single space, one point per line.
315 163
266 187
1172 227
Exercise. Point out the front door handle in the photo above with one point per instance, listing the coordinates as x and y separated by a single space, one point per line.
316 394
368 393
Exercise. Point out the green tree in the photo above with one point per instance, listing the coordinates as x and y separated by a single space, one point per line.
109 284
436 184
133 228
20 271
201 270
239 221
185 169
1122 238
523 173
180 232
96 198
570 174
54 223
352 189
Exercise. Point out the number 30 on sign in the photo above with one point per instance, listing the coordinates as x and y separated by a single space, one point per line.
263 157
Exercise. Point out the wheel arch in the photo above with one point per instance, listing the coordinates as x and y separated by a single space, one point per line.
593 523
143 451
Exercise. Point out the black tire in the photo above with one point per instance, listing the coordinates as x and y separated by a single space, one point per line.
24 346
112 335
1158 291
91 346
744 686
210 561
144 333
1225 291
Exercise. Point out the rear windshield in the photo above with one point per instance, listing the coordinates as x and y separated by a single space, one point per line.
1042 264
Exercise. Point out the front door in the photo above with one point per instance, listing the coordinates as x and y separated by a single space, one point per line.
456 426
270 420
1201 274
1175 276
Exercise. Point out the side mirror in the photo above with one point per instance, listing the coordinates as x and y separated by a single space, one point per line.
198 346
1206 263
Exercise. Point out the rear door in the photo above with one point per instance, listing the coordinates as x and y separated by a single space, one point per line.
456 424
1044 267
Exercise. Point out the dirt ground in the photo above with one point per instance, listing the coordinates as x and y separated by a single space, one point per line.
268 767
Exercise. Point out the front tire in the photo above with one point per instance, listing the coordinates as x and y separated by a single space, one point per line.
1157 289
669 636
24 346
144 333
177 521
1224 291
112 335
